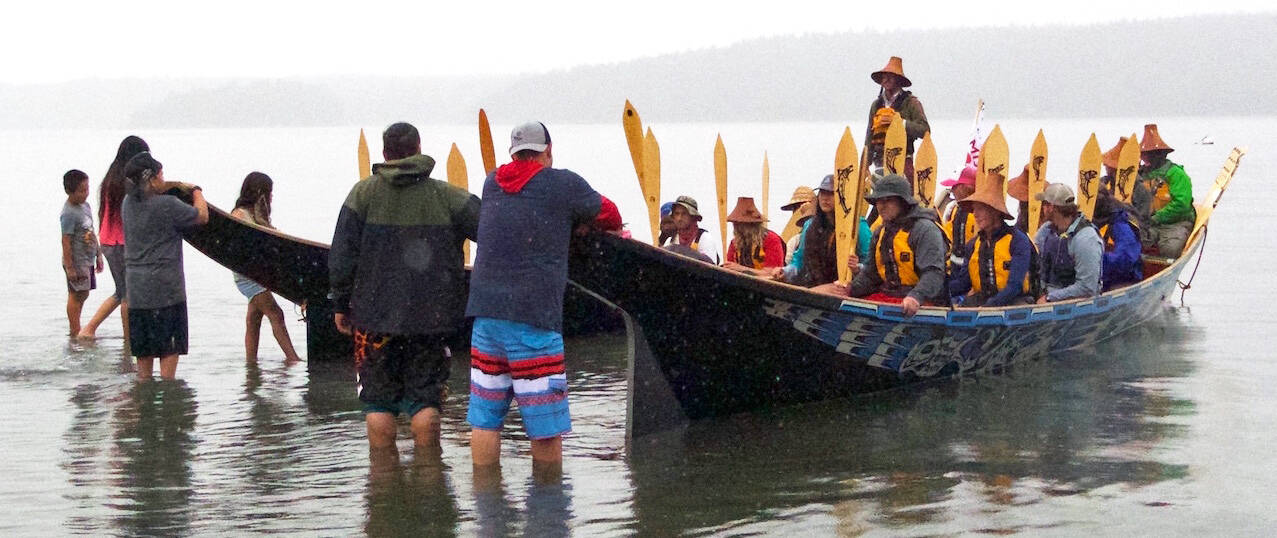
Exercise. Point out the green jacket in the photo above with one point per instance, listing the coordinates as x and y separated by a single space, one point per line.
1180 188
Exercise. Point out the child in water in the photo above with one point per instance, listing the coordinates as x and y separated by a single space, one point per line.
81 257
253 206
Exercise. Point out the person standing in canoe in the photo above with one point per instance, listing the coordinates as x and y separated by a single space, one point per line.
398 282
530 211
1170 215
1002 267
111 233
687 230
253 205
156 282
894 97
754 249
1069 248
815 260
906 258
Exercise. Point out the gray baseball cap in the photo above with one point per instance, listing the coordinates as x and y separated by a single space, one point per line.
1057 194
532 135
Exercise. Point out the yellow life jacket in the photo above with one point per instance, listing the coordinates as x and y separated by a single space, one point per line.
1109 244
958 236
993 266
897 266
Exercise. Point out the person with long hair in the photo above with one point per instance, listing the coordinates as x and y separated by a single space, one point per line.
253 205
754 249
111 235
815 260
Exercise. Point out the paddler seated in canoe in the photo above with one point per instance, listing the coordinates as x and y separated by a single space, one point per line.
1170 214
893 97
815 260
1002 267
905 262
688 233
1018 188
957 222
803 206
1069 248
754 249
667 222
1122 265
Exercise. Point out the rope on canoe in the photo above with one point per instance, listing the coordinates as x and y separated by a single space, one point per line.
1183 287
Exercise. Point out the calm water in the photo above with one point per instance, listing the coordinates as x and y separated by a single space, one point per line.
1167 430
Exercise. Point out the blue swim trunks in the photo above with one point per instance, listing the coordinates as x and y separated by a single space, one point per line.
511 360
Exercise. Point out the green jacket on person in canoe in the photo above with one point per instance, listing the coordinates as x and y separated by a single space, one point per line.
1172 194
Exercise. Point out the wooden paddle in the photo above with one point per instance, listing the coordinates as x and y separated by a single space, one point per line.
652 176
847 194
365 163
924 171
994 156
1207 207
720 181
1037 181
766 180
458 177
1128 165
486 150
893 146
791 228
1088 176
634 138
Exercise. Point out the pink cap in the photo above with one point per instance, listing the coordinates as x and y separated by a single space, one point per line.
967 177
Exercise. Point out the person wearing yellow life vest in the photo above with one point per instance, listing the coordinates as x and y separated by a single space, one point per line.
893 97
957 220
1169 218
1002 267
1121 265
906 258
688 235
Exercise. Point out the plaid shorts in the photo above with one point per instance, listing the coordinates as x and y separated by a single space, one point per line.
515 361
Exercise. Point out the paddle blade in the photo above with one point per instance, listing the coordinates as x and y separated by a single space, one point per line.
766 186
486 151
924 171
365 163
994 156
652 177
720 184
893 146
1037 181
1128 165
1088 176
634 138
791 228
458 177
847 191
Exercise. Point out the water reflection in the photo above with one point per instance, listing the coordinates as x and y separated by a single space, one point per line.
153 445
409 499
1045 429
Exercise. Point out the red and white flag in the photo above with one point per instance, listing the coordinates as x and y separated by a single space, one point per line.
973 154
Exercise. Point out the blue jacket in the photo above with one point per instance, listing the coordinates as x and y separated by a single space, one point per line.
1122 263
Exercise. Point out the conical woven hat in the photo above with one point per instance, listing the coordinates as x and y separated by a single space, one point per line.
1018 187
895 67
1111 156
1152 141
990 191
745 211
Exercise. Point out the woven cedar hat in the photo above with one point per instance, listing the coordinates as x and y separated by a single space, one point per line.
990 191
805 211
1152 141
802 195
745 211
1018 187
893 67
1111 156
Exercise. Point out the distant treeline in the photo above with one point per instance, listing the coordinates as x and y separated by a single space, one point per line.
1209 65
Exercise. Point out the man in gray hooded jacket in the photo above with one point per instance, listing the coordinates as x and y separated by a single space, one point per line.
906 255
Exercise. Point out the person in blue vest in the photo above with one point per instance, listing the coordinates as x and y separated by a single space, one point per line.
1001 266
1069 248
1122 265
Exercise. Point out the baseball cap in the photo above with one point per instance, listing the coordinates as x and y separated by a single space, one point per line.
1057 194
532 135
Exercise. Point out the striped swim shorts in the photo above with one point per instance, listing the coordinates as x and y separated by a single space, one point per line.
511 360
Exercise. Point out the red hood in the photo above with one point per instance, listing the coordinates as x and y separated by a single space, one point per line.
514 175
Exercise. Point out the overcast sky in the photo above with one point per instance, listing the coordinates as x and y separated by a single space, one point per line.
55 40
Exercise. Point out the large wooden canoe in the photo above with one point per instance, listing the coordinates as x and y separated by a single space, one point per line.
722 342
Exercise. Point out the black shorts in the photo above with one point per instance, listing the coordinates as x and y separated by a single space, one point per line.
401 373
158 332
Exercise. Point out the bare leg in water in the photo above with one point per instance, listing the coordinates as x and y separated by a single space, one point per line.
108 306
264 305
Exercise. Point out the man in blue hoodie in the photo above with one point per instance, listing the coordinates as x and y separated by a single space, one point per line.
516 297
398 283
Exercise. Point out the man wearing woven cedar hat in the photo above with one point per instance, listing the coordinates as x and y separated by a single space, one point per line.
754 249
1001 269
894 97
1171 214
1140 197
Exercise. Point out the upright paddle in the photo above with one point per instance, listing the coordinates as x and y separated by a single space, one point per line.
1037 181
486 151
1088 176
652 177
1128 164
634 138
766 187
994 156
720 182
893 146
924 171
847 196
458 177
365 163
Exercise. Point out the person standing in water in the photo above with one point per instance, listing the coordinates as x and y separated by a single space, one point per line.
253 205
80 255
111 235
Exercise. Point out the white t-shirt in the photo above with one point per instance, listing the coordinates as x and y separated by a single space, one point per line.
705 245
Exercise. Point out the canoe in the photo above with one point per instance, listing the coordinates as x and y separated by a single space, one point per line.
718 342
